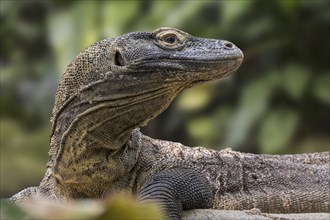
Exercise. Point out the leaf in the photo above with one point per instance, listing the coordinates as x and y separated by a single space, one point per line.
115 15
124 207
321 88
118 206
9 211
253 104
232 10
288 7
295 81
195 98
25 153
201 129
277 130
45 208
169 14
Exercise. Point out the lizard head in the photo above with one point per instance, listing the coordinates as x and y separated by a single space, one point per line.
119 84
176 56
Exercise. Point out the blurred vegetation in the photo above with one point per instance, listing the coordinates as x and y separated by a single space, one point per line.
278 102
119 207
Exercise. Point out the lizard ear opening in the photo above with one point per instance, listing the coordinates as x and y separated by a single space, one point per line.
119 61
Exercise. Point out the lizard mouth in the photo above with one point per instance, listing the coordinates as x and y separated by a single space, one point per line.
185 63
215 74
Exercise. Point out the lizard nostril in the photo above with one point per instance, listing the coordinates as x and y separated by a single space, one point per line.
229 45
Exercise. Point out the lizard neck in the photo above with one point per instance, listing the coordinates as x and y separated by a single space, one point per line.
104 113
87 172
92 130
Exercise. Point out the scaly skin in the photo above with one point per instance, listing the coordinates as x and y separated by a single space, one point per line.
116 86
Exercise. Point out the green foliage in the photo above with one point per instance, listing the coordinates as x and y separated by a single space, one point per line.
122 207
202 129
321 88
195 98
295 79
252 105
119 207
277 130
31 160
212 129
9 211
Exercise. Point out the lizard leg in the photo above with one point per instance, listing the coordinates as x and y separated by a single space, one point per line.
177 189
36 192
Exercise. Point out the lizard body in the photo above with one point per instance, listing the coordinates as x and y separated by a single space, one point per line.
116 86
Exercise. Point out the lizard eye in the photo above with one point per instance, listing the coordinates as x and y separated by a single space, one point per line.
170 38
119 61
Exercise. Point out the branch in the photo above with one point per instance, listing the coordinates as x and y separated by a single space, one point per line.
255 214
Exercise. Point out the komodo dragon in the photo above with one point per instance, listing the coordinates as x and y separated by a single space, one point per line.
119 84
